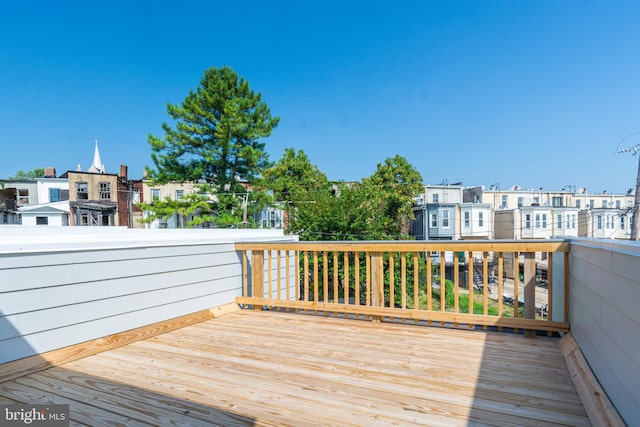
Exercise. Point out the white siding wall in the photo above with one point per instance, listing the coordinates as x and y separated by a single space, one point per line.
60 287
604 316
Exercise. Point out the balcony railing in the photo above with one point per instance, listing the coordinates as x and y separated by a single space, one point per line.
502 284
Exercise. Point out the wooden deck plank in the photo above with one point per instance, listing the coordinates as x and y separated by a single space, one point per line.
79 411
418 370
274 368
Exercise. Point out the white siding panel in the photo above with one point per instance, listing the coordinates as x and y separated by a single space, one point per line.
53 339
604 292
99 284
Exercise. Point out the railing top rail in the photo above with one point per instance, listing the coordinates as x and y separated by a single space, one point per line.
542 245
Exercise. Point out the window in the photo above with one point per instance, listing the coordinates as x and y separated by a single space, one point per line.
556 201
434 198
604 203
480 219
544 220
568 221
504 201
599 222
82 191
537 220
573 221
527 221
42 220
105 191
559 221
155 194
617 204
445 219
467 219
578 203
179 194
54 195
136 195
536 200
622 222
592 203
520 201
434 220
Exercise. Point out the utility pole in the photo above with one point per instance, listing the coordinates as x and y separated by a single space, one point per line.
635 221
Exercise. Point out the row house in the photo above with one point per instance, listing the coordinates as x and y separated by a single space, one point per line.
536 222
441 214
517 197
605 223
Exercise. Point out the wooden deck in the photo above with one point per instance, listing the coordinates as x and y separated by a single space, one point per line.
273 368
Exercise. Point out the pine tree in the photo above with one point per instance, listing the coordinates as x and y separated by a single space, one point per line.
216 142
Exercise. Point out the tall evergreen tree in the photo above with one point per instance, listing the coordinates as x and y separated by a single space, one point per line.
215 142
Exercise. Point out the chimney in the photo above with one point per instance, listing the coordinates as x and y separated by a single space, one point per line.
49 172
123 171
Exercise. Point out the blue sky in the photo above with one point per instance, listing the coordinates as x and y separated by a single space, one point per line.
535 93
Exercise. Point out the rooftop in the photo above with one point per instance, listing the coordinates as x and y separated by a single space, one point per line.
275 368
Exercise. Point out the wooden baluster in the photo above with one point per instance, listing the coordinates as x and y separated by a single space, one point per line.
485 285
403 280
416 287
287 275
516 282
566 287
429 285
377 282
269 275
443 286
325 279
257 279
500 284
549 290
345 280
456 279
336 272
367 257
245 274
470 271
391 282
305 258
296 261
316 285
529 290
356 273
279 273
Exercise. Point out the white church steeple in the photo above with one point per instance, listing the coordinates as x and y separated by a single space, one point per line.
97 165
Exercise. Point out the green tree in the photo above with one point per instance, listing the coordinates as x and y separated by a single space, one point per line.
295 181
216 142
393 187
32 174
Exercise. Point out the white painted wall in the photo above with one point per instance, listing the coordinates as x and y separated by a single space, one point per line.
60 287
605 320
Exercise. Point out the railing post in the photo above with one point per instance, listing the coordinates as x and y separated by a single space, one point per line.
257 276
529 290
377 278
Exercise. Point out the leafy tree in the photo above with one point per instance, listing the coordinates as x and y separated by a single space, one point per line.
393 187
216 142
379 208
32 174
295 181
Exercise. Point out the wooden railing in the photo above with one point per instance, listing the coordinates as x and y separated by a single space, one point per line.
503 284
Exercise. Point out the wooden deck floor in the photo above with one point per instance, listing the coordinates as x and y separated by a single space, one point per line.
272 368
